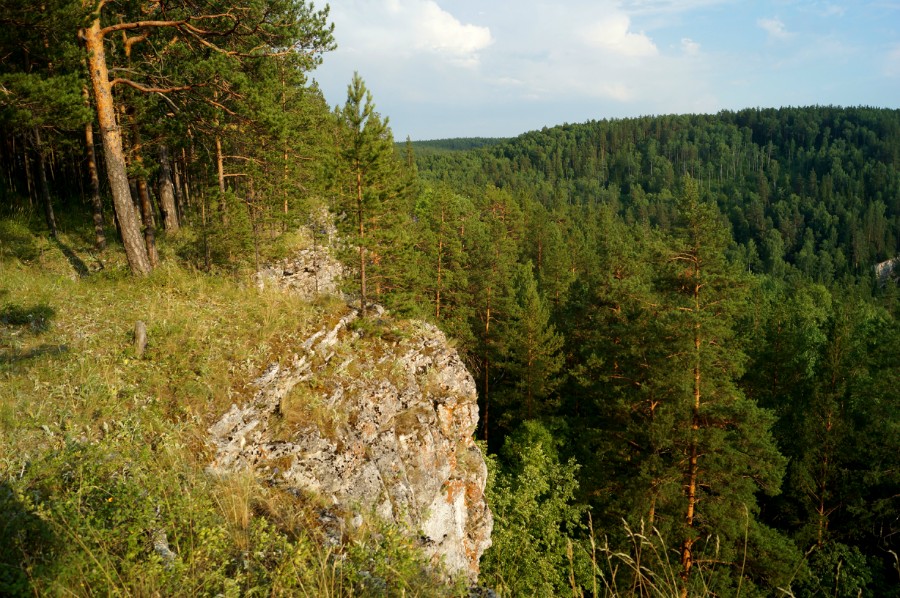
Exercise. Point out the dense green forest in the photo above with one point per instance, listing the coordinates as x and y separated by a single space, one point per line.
687 307
686 359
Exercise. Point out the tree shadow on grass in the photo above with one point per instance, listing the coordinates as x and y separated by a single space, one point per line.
76 262
34 319
17 323
26 544
13 356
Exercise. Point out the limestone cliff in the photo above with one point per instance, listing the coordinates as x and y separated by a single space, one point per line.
375 417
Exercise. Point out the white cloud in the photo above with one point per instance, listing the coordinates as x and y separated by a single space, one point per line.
774 27
690 47
612 33
399 28
437 30
470 67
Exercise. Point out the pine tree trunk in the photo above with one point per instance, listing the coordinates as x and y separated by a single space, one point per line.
220 165
220 170
254 222
183 171
167 192
179 192
29 177
487 364
285 172
207 257
362 241
147 217
822 512
437 314
143 194
110 134
487 361
42 183
687 560
91 159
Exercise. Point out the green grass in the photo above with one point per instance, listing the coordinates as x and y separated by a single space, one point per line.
101 451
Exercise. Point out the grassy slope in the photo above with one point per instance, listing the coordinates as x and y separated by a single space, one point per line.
102 452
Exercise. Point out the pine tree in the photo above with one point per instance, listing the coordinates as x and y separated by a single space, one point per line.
681 447
368 157
552 259
186 61
440 216
493 242
532 357
721 440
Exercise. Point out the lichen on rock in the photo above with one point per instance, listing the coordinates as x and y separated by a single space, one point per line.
373 416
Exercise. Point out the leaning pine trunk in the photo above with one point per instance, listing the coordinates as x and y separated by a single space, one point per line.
110 134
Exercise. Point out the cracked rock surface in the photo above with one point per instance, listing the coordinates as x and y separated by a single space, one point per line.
374 420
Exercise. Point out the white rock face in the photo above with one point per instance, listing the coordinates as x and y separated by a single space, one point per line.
379 422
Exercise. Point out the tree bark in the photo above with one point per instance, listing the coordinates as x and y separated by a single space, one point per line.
42 183
147 217
110 134
687 559
179 192
29 178
145 204
220 170
167 192
96 203
362 240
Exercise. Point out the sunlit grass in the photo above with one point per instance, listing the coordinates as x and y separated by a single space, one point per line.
101 450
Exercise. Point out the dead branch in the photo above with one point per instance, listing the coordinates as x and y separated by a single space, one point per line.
146 89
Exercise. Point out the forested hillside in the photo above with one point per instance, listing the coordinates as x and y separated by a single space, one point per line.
685 309
686 360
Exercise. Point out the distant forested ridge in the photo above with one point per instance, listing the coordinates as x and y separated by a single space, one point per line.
824 178
456 144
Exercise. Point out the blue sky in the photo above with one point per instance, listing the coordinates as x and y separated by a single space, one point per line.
498 68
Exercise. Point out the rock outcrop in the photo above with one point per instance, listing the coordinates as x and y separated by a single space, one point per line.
308 274
888 270
313 271
373 417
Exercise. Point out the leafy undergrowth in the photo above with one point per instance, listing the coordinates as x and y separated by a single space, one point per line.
102 452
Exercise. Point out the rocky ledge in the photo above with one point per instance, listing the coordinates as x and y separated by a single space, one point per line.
373 417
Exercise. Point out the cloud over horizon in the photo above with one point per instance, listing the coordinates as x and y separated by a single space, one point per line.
399 27
470 67
613 33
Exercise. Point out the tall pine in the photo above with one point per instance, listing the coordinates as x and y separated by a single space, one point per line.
368 161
